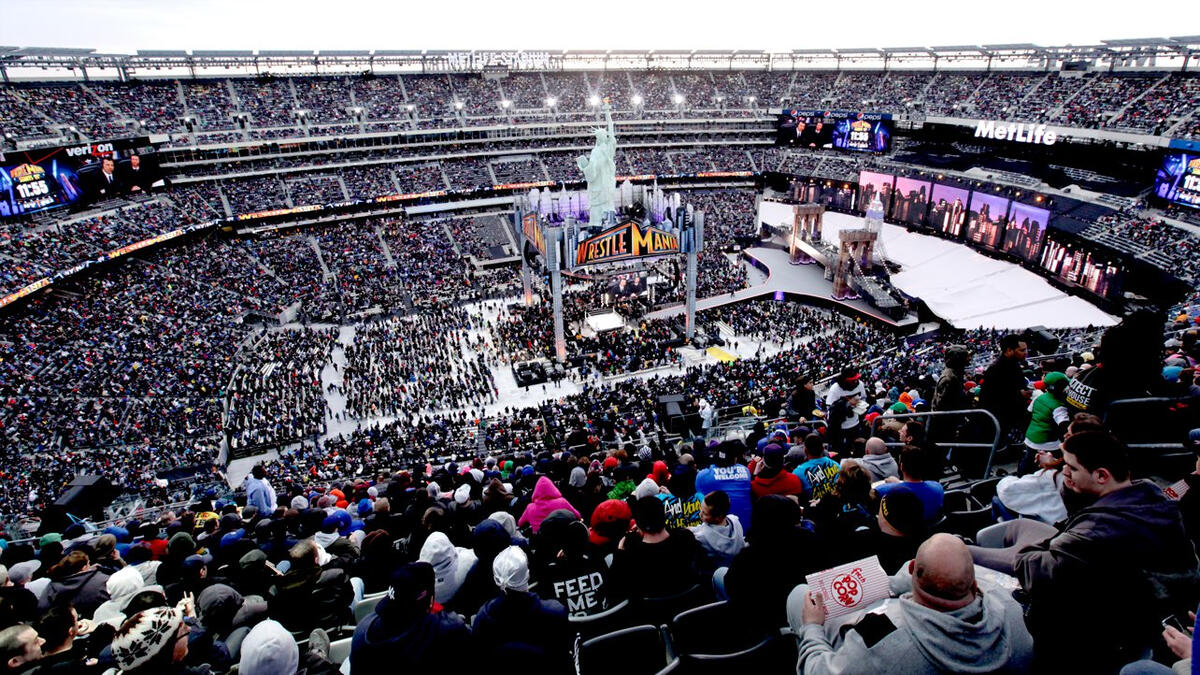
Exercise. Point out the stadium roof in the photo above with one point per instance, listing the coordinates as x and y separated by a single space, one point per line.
211 62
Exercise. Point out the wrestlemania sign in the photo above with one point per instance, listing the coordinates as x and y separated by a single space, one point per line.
625 242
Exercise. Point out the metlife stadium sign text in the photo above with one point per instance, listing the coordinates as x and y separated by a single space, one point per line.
1035 134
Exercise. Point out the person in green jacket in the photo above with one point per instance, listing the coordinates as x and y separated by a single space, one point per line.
1049 415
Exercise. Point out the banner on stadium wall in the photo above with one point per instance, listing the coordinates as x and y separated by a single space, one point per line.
625 241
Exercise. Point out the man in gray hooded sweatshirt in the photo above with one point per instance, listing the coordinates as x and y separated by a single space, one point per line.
941 623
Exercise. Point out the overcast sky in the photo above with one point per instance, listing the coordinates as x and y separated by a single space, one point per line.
124 26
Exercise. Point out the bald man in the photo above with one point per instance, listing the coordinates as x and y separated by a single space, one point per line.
878 462
941 622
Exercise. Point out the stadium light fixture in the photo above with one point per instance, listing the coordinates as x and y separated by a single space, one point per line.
720 99
678 98
637 99
409 107
505 103
751 99
594 100
458 105
551 102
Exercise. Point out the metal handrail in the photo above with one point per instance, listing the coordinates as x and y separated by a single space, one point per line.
947 413
1130 402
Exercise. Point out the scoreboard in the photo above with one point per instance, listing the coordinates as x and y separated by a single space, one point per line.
837 129
1178 179
47 178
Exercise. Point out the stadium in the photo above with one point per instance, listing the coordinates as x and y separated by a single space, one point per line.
600 360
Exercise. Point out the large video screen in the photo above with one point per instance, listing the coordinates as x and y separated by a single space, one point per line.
833 195
1178 179
871 184
37 180
910 200
1099 274
839 129
986 217
948 210
1026 230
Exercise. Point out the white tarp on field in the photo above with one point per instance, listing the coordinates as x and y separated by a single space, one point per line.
971 290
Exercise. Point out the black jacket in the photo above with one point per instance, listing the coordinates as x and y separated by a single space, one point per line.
1107 579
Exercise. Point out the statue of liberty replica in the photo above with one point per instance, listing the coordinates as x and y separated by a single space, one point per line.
600 171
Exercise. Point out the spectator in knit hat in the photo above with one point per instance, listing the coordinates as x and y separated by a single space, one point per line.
772 477
567 568
21 602
901 529
520 624
610 522
403 635
154 642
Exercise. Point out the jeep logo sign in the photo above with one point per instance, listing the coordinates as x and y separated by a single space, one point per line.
1036 134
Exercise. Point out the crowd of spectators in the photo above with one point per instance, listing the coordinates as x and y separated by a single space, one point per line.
1139 102
275 396
414 364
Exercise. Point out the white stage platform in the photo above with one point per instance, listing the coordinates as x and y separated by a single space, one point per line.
966 288
605 321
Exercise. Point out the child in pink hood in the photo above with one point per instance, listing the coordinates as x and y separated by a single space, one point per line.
546 500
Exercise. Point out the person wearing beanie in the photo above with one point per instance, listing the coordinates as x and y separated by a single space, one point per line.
566 567
546 500
404 635
154 642
519 622
772 477
610 523
654 560
22 604
451 565
488 539
914 469
1049 415
901 529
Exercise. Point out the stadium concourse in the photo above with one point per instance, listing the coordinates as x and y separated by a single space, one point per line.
339 440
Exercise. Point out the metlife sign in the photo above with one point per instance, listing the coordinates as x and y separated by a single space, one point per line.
1034 134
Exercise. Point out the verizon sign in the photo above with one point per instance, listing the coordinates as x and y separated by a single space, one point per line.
1036 134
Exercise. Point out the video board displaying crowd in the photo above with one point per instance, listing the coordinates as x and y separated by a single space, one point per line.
1178 179
37 180
1073 264
910 201
837 129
